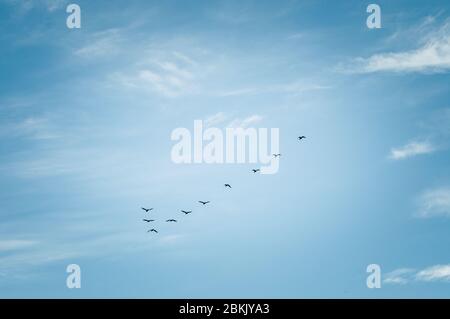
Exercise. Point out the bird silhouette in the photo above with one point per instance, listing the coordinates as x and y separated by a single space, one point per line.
152 230
147 209
228 185
277 155
148 220
301 137
186 211
256 170
171 220
204 203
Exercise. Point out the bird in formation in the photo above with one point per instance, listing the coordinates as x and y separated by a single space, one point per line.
187 212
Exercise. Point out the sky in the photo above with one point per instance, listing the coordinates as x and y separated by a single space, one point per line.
86 117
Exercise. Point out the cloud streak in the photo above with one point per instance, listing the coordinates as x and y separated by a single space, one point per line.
434 203
434 273
245 122
27 5
294 88
410 150
431 57
215 119
402 276
100 44
399 276
171 77
15 244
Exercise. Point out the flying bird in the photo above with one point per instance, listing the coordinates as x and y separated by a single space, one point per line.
228 185
171 220
186 211
301 137
152 230
204 203
276 155
148 220
147 209
256 170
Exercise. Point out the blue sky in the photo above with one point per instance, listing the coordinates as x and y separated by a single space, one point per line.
86 116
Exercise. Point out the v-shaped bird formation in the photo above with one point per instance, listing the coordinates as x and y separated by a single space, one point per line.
187 212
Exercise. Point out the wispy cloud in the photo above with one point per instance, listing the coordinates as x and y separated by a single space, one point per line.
215 119
434 203
100 44
238 92
434 273
33 128
434 137
172 76
236 122
398 276
402 276
293 88
167 79
296 36
16 263
299 88
245 122
53 5
411 149
27 5
15 244
432 56
23 255
170 239
420 30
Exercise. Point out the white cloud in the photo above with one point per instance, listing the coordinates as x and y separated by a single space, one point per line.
432 56
238 92
165 81
100 44
434 273
404 276
398 276
171 77
35 128
53 5
215 119
7 245
435 202
174 69
170 239
19 260
293 88
27 5
246 122
184 58
433 138
221 117
411 149
299 88
296 36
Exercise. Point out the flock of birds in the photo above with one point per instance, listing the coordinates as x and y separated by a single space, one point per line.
187 212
